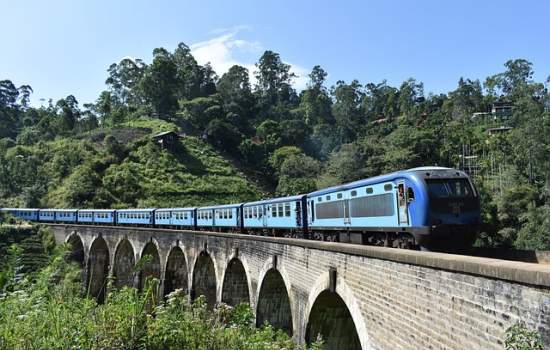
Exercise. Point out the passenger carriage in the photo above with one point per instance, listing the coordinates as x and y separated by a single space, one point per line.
175 217
205 217
23 214
219 216
66 215
135 216
280 215
46 215
97 216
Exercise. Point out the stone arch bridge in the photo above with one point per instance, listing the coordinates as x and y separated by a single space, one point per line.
356 297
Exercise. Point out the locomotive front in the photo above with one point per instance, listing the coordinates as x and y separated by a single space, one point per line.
452 208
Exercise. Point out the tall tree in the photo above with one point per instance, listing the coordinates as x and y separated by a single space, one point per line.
274 80
347 109
159 84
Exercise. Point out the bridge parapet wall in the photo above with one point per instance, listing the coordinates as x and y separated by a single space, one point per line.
395 299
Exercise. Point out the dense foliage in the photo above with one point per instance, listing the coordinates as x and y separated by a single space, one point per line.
45 309
284 141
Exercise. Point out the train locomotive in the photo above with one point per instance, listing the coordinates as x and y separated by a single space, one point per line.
428 208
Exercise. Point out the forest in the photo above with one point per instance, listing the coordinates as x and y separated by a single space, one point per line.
247 138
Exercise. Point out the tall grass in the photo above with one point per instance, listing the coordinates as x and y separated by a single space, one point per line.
51 312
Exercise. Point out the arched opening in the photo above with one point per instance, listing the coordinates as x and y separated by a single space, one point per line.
76 253
176 272
98 269
330 318
123 271
235 284
204 279
151 268
274 303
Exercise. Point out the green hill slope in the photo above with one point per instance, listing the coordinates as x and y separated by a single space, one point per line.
123 167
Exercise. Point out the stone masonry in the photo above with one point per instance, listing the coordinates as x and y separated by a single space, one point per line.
356 297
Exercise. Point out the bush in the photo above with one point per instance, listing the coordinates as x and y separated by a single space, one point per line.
519 337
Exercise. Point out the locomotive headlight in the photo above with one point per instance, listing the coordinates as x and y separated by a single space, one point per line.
437 222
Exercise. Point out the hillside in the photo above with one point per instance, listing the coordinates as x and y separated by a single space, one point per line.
123 167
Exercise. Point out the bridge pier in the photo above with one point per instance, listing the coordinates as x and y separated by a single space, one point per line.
357 297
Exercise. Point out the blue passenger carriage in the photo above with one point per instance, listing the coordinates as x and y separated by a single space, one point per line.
182 217
46 215
86 216
205 217
135 216
22 213
66 215
227 216
280 215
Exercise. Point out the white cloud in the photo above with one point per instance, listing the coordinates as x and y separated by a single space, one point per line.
227 50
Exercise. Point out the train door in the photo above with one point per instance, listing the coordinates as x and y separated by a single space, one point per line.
311 208
298 213
263 213
402 210
346 203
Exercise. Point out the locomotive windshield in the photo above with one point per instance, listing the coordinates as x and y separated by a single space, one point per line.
449 188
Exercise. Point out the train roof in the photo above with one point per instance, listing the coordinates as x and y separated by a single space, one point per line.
276 200
409 173
177 209
62 210
97 210
5 209
223 206
135 210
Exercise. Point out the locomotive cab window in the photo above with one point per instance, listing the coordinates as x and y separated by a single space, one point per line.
449 188
410 194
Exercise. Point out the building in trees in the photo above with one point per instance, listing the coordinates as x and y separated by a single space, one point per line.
167 140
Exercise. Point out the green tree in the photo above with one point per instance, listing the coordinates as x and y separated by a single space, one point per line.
159 84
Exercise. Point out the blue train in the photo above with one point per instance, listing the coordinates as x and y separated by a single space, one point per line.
431 208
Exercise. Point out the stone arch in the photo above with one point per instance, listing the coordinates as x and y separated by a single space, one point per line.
123 267
176 274
321 302
331 318
273 304
98 269
204 279
150 269
77 253
235 286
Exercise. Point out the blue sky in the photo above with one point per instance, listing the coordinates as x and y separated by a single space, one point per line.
62 47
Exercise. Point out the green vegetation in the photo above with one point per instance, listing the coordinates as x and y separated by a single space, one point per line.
101 155
45 309
519 337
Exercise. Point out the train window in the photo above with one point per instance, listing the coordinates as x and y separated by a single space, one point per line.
287 209
444 188
377 205
388 187
339 195
319 199
280 209
353 193
274 210
327 198
370 190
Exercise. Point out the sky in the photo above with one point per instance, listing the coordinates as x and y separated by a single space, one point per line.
63 47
